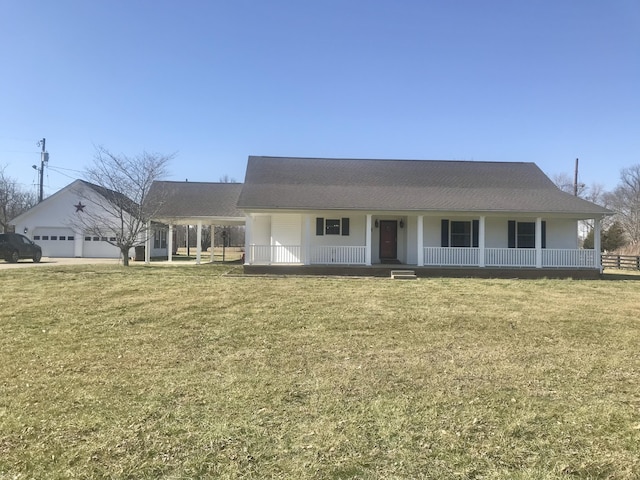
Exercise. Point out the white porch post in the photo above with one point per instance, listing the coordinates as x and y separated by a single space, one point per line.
597 243
538 242
147 246
367 241
170 243
306 240
481 242
199 243
420 240
212 231
248 226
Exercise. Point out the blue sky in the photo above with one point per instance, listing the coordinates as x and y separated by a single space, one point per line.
217 81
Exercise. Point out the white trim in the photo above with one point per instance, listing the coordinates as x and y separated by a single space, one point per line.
367 244
199 243
420 240
597 245
538 242
481 241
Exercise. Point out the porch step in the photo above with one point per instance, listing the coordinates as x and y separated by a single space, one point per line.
403 275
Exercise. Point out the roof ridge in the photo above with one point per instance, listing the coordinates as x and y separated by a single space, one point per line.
342 159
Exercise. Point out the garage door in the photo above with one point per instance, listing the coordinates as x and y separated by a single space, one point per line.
55 242
98 247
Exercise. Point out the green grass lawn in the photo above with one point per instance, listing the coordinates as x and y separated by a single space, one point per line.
184 372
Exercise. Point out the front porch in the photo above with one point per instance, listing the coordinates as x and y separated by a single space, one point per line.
429 242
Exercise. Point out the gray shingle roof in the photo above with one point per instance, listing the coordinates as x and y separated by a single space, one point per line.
194 199
404 185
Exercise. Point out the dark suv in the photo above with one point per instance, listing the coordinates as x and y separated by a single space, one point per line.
14 246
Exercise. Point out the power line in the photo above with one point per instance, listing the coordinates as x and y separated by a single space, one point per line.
67 169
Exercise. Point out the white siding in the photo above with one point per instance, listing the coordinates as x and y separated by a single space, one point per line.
261 230
286 229
286 232
562 233
496 232
431 231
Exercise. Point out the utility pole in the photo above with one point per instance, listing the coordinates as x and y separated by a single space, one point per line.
44 159
575 180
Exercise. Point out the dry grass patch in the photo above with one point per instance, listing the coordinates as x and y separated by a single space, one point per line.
186 373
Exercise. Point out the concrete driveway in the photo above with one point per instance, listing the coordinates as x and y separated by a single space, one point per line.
49 261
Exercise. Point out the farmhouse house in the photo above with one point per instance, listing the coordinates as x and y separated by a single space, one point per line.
311 212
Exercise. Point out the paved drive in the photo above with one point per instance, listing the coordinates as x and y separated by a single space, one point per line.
49 261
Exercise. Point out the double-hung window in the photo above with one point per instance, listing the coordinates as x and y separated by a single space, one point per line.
523 234
160 239
456 233
332 226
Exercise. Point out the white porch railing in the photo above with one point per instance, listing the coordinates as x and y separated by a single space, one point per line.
337 255
268 254
510 257
451 256
555 257
433 256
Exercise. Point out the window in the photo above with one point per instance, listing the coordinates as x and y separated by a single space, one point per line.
87 239
459 233
36 237
54 237
523 234
45 237
160 239
332 226
71 237
112 239
96 239
62 237
104 239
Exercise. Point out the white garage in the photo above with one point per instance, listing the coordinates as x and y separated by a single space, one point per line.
54 223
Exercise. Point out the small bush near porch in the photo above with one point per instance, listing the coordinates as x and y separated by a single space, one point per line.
180 372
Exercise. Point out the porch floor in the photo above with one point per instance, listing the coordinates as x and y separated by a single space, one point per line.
380 270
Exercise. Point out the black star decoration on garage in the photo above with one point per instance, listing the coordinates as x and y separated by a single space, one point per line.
79 207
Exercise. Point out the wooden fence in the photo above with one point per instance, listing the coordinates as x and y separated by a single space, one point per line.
621 261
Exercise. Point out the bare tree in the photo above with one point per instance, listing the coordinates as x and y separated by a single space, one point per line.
625 201
119 213
565 183
227 179
13 200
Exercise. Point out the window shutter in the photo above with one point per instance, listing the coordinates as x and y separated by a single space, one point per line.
544 234
475 233
345 227
319 226
444 233
512 234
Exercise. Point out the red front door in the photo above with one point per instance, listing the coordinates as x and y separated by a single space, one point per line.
388 239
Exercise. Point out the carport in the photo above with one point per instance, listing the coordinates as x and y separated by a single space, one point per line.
192 203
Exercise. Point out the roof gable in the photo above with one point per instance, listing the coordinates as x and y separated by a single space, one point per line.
78 187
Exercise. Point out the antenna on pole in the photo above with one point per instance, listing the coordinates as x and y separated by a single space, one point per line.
44 159
575 180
